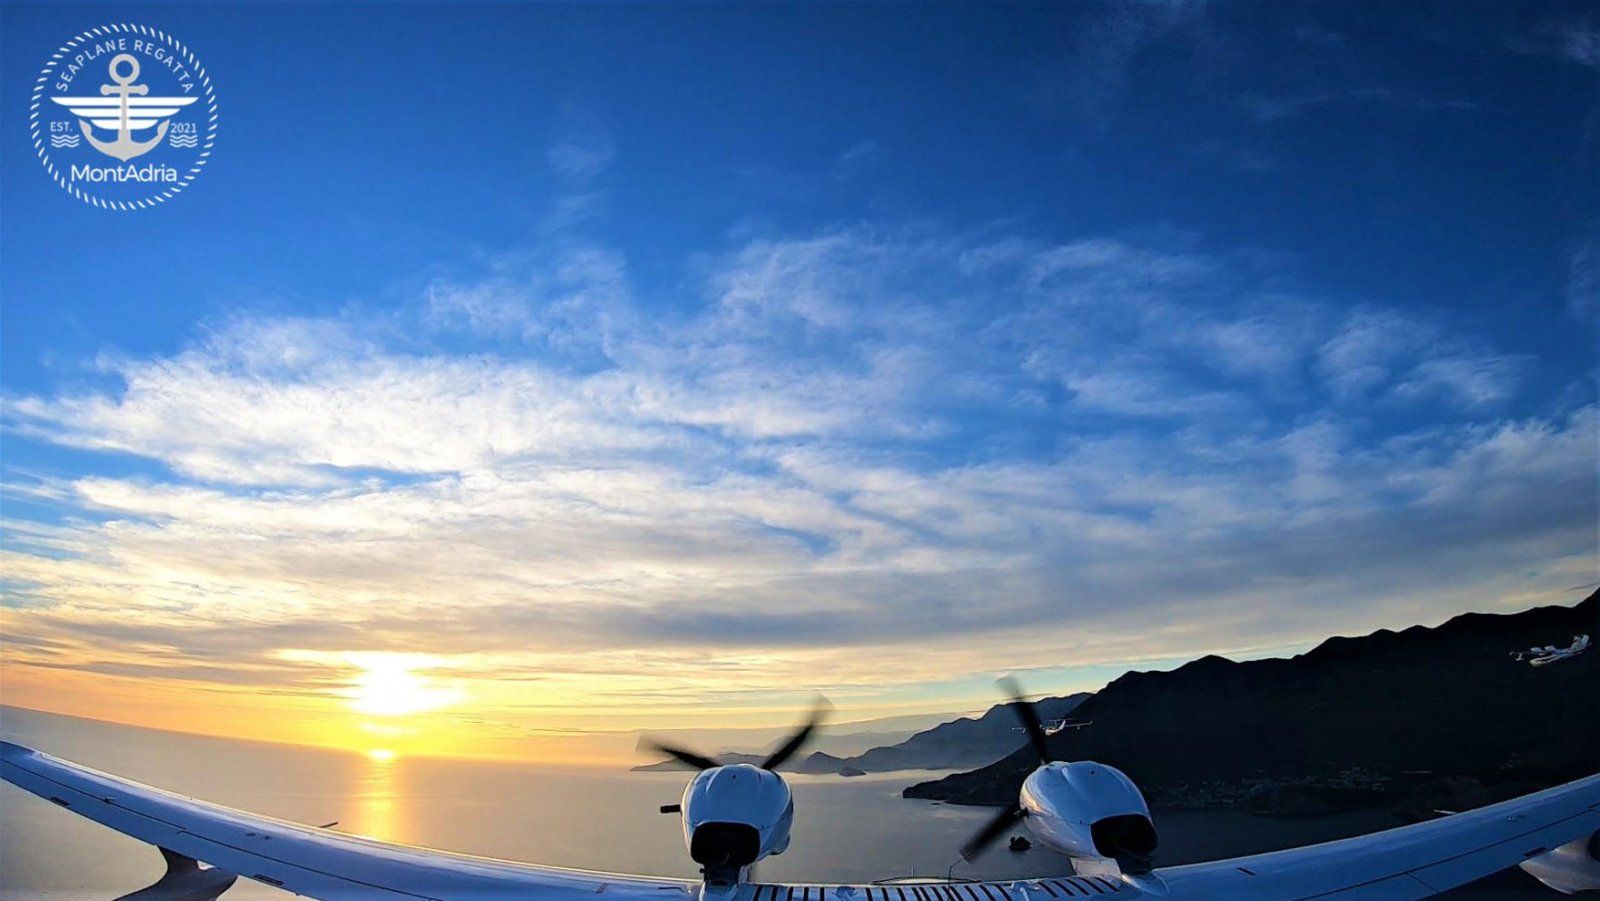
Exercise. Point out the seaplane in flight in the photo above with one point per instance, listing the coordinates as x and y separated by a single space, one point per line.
735 815
1551 654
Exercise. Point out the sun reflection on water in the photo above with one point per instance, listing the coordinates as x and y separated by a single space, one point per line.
377 797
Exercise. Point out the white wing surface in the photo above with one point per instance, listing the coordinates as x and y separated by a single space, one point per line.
302 859
1409 862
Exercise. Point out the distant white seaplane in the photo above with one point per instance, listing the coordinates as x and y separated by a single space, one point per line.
1545 656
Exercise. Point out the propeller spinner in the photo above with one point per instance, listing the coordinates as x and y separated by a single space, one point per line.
1091 812
736 814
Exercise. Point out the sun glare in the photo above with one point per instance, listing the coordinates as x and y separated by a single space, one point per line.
389 685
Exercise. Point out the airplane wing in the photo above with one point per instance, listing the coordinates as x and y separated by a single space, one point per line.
1412 861
1409 862
302 859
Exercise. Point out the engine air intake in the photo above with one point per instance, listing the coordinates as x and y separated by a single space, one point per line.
719 846
1129 838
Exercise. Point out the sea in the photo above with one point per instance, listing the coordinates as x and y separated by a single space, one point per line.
604 818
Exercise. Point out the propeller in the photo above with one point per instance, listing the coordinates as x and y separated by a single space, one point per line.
992 831
777 758
1030 719
698 761
796 741
1011 814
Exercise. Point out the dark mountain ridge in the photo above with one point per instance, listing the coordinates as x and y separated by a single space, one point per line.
962 742
968 741
1359 716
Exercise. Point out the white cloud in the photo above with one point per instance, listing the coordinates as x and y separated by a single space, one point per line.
1466 380
1364 352
857 159
1270 108
856 444
581 159
1386 353
1583 277
567 296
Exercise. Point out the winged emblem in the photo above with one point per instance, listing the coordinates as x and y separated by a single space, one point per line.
124 107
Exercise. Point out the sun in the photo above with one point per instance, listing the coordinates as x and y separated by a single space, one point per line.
389 685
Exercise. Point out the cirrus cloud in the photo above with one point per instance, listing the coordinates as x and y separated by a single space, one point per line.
873 458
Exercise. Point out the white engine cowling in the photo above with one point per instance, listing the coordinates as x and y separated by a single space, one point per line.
1573 867
1090 811
735 815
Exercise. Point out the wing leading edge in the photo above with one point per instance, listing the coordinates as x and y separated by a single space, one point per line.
302 859
1408 862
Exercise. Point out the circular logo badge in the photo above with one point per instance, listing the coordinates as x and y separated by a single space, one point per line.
123 116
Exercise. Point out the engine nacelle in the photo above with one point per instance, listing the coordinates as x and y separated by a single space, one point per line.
733 816
1573 867
1090 811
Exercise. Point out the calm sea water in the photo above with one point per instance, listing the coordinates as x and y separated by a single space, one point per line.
846 830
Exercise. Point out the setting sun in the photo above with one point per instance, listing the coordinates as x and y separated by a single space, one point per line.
389 685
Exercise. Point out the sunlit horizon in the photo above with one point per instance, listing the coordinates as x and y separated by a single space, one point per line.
392 705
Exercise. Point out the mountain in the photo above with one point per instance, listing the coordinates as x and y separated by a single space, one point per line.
963 742
845 739
1443 709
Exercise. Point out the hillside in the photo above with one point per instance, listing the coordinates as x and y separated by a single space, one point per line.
962 742
969 741
1444 709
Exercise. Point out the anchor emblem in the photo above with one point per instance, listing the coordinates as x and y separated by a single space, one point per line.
124 107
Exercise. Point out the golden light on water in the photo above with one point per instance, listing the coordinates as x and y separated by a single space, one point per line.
378 811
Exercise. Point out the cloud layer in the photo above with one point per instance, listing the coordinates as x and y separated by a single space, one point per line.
867 461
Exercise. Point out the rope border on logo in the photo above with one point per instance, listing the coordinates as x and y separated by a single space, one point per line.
103 31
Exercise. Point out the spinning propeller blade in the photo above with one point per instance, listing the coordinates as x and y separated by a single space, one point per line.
1038 739
991 832
797 741
1030 719
774 760
698 761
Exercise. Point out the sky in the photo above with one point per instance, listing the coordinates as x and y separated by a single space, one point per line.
517 374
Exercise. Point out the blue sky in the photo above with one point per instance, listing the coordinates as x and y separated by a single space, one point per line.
616 345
